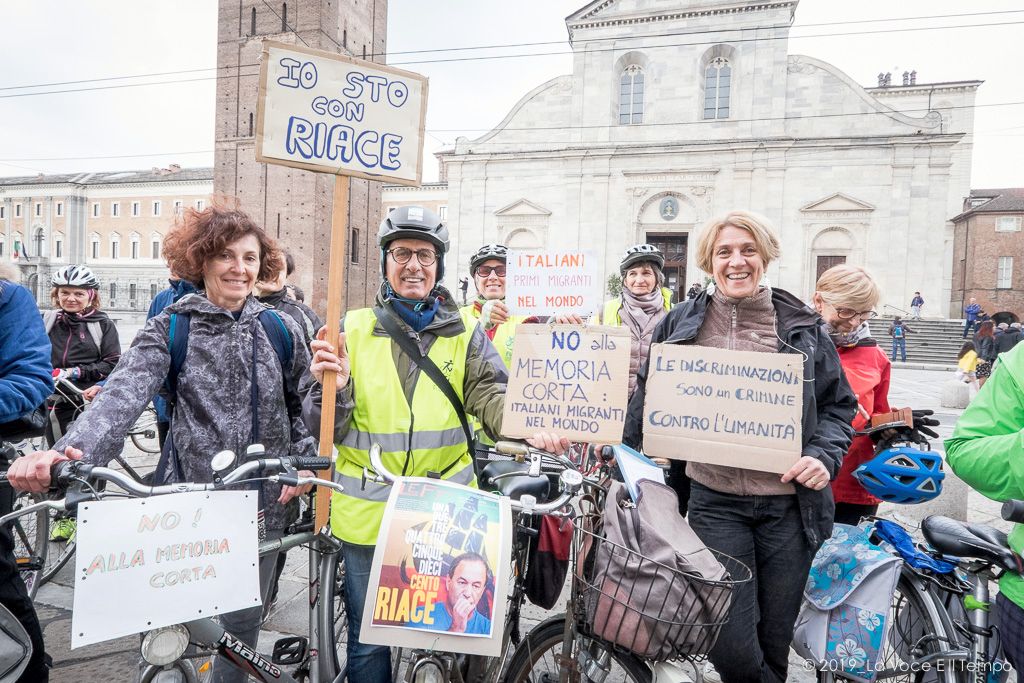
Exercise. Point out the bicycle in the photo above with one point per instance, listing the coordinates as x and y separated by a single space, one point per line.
526 482
30 533
940 629
573 646
164 650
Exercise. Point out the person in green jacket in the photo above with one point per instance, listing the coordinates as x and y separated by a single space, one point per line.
987 451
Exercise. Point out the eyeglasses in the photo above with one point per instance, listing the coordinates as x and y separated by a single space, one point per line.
485 271
401 255
850 314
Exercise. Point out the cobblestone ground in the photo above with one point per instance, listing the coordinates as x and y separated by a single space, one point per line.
116 661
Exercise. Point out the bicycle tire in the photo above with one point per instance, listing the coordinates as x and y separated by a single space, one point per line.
333 615
544 643
31 538
144 433
919 623
58 552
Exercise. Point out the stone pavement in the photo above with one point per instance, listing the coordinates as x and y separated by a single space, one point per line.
115 661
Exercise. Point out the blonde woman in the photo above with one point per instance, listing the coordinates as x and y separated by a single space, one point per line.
773 524
846 297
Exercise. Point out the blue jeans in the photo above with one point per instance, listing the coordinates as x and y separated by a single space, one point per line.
901 344
366 663
968 324
766 534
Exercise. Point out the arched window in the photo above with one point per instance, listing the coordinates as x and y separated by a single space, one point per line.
717 88
38 240
631 96
252 22
284 17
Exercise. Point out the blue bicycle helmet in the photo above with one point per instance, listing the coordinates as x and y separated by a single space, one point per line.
902 474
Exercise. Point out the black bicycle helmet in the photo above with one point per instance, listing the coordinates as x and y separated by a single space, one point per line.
638 253
75 276
413 222
486 253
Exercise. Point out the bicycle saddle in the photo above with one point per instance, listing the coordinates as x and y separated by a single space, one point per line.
514 486
977 541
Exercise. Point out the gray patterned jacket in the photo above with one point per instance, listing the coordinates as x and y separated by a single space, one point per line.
213 410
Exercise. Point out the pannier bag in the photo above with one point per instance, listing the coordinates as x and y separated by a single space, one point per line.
548 561
845 617
649 584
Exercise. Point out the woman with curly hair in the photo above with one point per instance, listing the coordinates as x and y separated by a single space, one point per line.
234 388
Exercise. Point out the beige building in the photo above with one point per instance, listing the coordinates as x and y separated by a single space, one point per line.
433 196
115 223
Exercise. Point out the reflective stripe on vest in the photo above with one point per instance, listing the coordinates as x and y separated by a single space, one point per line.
427 438
610 314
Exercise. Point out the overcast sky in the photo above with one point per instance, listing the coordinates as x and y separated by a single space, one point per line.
101 127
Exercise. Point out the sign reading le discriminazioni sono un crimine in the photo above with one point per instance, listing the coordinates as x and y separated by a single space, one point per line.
736 408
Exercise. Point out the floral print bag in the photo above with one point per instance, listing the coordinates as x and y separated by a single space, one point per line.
844 619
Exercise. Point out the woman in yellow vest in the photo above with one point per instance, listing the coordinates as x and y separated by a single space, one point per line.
384 397
488 268
641 305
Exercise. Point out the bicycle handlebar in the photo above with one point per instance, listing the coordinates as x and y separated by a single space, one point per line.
1013 511
570 481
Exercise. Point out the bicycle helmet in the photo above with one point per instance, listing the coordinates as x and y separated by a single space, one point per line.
75 276
413 222
487 252
641 252
902 474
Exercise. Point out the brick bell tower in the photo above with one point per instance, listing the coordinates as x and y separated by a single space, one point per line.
294 205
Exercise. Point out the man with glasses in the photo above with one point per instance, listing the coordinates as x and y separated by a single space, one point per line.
408 370
488 268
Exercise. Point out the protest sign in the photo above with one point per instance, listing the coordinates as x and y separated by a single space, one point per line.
736 408
332 113
552 282
569 379
440 569
164 560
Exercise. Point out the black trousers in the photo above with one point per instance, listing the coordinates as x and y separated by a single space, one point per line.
14 596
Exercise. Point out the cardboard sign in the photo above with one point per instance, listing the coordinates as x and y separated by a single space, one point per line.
736 408
569 379
145 563
552 282
331 113
440 569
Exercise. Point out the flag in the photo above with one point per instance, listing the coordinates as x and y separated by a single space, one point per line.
24 254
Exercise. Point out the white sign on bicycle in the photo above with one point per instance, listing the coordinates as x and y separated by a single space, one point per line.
145 563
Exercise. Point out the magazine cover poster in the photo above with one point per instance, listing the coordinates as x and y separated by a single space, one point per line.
434 571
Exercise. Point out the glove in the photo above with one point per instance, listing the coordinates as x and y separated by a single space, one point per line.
485 314
904 425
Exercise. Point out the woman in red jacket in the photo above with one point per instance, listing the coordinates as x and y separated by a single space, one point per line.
845 297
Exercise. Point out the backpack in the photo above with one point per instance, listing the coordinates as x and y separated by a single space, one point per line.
95 329
177 345
846 605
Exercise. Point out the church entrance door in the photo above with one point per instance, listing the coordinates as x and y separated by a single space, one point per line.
673 246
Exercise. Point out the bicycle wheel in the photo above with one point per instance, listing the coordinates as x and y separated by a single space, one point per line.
536 658
30 535
144 433
334 617
58 552
920 632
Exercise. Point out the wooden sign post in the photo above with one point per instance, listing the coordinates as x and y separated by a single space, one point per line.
331 113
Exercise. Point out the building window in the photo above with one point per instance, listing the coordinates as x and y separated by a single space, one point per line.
132 290
717 88
95 247
200 205
177 207
17 210
442 211
284 17
156 208
115 246
135 249
3 243
58 248
353 254
631 96
1008 224
39 209
135 209
60 209
156 248
96 210
39 238
113 292
115 209
3 213
252 22
1004 279
152 291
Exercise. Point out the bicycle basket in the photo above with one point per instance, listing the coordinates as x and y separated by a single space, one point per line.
665 597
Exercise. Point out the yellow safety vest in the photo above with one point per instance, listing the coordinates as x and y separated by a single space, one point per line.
424 437
504 336
610 314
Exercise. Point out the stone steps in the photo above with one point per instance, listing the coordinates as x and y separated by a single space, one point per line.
932 340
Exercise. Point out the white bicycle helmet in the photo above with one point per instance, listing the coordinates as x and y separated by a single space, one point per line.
75 276
641 252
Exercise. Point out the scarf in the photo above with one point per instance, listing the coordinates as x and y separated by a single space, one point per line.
640 314
417 313
857 337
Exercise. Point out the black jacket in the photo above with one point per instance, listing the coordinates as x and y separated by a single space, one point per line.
986 347
1006 341
72 346
829 404
309 322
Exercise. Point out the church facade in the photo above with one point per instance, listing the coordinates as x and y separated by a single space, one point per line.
679 111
